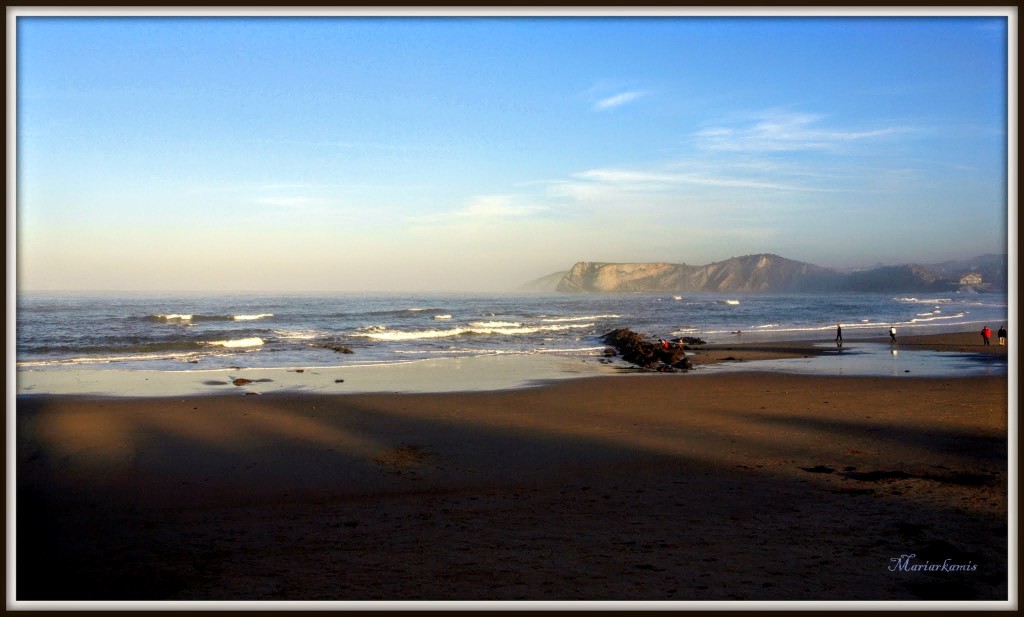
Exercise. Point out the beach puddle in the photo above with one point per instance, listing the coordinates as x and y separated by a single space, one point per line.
875 360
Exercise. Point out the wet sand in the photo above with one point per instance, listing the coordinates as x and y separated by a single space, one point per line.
964 342
731 487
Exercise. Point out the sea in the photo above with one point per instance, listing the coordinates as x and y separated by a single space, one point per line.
192 331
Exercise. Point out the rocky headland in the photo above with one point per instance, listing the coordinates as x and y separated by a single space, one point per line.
772 273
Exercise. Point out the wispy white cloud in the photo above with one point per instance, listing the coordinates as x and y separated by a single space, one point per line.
660 179
732 185
618 100
484 209
500 206
784 132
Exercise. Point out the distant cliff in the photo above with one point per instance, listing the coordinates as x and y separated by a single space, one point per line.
772 273
743 274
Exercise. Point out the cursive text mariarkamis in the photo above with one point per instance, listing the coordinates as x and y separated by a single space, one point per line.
904 563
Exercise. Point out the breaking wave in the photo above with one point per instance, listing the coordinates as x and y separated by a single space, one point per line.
924 300
183 318
384 334
253 341
574 319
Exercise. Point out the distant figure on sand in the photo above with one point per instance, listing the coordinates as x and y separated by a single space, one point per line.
892 333
986 334
839 335
1002 335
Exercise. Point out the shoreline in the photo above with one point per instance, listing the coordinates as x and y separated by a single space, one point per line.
728 488
491 372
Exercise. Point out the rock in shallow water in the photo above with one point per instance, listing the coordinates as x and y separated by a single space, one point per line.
636 350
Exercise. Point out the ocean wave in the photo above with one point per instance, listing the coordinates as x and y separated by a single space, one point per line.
495 324
442 317
405 335
253 341
929 317
190 318
109 359
113 347
296 335
731 302
402 312
924 300
490 351
574 319
170 318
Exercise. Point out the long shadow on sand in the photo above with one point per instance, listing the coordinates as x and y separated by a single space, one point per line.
354 501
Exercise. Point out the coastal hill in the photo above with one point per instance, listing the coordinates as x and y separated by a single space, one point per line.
772 273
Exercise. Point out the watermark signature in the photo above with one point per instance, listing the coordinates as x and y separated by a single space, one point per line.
906 563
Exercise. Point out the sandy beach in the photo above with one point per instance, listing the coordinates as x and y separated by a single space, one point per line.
745 486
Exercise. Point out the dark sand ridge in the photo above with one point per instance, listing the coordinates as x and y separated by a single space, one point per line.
649 487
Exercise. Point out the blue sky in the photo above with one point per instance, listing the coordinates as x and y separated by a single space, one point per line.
452 153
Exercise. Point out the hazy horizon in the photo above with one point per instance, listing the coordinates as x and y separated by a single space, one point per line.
453 154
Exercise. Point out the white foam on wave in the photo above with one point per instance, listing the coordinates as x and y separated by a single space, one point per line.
685 331
732 302
254 341
392 335
192 317
924 300
926 317
495 324
574 319
108 359
175 317
252 317
442 317
589 350
296 335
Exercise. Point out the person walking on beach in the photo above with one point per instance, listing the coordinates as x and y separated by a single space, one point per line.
892 333
1002 335
839 335
985 335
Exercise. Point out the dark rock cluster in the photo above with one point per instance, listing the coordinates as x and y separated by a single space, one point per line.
337 348
635 349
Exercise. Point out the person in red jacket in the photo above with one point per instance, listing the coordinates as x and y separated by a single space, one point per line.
986 334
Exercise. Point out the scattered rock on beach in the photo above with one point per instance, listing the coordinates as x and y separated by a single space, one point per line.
241 381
